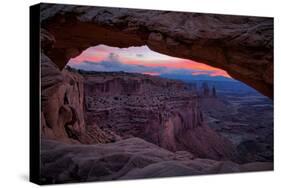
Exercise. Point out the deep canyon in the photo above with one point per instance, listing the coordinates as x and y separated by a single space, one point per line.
117 125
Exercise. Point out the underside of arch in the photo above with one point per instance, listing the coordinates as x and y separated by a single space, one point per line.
240 45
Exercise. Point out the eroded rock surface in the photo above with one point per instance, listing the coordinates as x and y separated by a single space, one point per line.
161 111
241 45
131 158
79 112
245 118
62 106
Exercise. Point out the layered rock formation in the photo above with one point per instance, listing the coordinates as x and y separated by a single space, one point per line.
62 106
114 109
79 107
244 117
82 114
161 111
241 45
127 159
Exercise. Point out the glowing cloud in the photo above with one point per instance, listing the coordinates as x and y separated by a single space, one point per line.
140 59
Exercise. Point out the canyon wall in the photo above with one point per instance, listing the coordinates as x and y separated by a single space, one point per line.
107 107
161 111
62 106
240 45
107 111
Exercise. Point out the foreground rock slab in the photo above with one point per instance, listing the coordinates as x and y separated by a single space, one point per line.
126 159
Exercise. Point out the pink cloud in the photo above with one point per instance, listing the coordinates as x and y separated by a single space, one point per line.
142 56
152 73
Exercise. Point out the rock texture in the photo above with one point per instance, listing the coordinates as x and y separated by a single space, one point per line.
89 122
126 159
241 45
97 107
62 106
161 111
244 117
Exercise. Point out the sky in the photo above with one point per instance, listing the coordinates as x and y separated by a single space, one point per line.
140 60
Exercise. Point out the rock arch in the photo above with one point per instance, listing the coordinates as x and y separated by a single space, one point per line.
241 45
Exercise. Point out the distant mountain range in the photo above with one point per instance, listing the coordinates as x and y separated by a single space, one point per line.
222 84
202 77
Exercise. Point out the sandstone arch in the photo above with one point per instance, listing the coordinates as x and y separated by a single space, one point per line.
243 46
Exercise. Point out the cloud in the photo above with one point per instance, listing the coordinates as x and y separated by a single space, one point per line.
141 60
112 64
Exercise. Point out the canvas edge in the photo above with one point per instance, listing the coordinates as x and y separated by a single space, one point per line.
34 95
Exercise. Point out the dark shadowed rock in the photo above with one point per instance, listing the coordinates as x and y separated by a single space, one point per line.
241 45
89 122
126 159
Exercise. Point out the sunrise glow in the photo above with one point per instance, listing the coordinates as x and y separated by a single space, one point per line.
142 60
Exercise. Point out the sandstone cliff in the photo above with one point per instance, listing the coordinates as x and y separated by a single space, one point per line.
241 45
162 111
106 107
94 109
62 106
